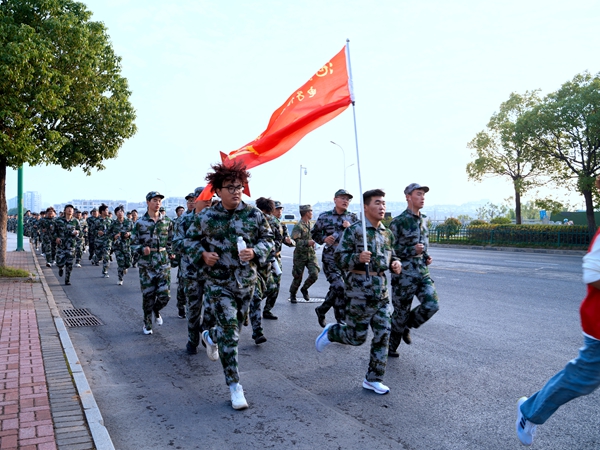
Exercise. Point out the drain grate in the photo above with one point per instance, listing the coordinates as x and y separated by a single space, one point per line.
80 318
300 299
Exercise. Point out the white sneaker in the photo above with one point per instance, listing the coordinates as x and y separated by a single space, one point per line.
105 275
212 349
238 401
120 283
525 429
77 265
158 319
146 331
322 340
376 386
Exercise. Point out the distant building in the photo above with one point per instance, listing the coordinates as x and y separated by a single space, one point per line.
88 205
32 200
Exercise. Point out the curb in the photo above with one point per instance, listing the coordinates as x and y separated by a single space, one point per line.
512 249
100 436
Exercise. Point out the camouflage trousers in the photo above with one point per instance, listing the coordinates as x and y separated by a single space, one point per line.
78 250
413 281
49 249
300 262
156 290
123 256
255 307
102 253
181 295
336 295
273 283
230 306
194 293
367 306
64 258
92 248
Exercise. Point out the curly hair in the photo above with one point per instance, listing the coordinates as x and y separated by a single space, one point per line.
222 173
266 205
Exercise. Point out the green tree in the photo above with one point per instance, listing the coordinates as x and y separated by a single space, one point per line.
499 151
565 129
63 100
549 205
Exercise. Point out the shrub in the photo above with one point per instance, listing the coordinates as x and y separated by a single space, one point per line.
500 221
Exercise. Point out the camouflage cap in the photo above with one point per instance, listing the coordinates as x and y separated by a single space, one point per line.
278 204
190 195
150 195
414 186
94 210
341 192
305 208
198 191
162 208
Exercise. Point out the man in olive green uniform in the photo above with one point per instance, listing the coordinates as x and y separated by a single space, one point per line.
67 231
304 255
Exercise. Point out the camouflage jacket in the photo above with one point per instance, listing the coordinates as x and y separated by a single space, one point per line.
84 227
182 224
410 230
216 230
156 235
380 242
280 232
330 223
102 225
301 234
47 226
120 229
64 230
91 221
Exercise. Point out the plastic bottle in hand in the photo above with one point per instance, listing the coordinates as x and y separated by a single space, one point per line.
241 245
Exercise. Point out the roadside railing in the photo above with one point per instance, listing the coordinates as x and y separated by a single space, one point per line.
556 236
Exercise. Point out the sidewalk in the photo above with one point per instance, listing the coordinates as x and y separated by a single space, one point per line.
45 401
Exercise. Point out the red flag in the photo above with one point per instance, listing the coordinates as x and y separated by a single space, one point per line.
325 95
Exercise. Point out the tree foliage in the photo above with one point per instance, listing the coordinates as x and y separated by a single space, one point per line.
500 151
565 129
63 100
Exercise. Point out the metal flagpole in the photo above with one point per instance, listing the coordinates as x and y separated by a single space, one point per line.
362 206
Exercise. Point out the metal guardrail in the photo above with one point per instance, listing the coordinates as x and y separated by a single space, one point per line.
555 236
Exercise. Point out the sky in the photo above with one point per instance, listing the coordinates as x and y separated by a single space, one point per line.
206 76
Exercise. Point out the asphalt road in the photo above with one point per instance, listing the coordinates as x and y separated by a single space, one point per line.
508 321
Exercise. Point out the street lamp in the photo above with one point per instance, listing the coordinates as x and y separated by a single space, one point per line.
344 166
300 195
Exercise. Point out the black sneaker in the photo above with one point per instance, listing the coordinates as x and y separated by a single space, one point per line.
260 339
60 272
304 292
393 353
406 336
67 283
190 349
320 317
181 313
293 298
269 315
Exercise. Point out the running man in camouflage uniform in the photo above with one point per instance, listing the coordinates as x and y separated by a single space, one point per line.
135 256
304 255
231 275
368 298
328 230
280 236
153 238
80 239
103 240
179 236
92 220
192 278
412 240
48 239
66 230
120 234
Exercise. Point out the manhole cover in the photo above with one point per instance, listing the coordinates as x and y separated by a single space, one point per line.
312 300
80 318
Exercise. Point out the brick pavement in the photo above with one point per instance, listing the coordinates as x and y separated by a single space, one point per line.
39 405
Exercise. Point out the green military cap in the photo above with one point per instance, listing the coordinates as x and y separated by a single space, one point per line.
198 191
150 195
162 208
278 205
305 208
341 192
413 187
190 195
94 210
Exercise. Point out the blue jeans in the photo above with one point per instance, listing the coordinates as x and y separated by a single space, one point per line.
581 376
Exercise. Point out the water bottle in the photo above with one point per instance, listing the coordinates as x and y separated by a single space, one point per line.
241 245
276 268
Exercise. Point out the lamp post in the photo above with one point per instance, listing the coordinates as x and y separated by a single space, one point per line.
344 166
300 194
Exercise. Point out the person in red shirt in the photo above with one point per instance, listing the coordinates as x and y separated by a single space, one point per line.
581 376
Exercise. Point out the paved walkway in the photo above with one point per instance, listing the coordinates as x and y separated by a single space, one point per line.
41 395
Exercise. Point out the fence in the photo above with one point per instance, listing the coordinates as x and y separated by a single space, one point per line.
576 237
